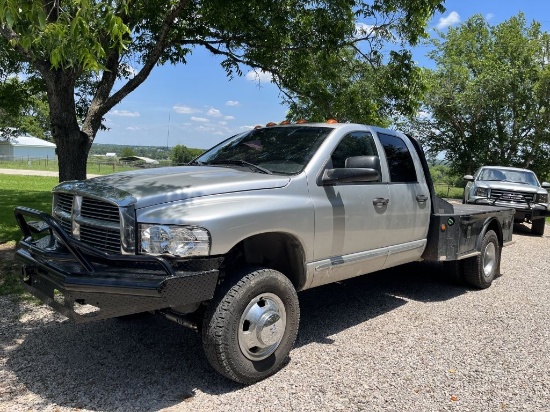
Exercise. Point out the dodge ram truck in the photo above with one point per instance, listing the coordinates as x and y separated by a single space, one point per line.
224 244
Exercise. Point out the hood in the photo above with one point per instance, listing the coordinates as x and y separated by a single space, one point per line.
511 186
161 185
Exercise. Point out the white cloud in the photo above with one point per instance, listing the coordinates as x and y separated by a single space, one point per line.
452 19
232 103
229 117
125 113
133 128
214 112
131 71
247 127
489 16
362 29
199 119
259 76
185 109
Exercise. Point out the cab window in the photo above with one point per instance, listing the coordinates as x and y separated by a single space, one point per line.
400 162
353 144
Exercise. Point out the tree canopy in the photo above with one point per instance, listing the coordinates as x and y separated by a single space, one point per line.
81 49
487 100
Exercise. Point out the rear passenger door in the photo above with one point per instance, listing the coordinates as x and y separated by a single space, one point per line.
408 213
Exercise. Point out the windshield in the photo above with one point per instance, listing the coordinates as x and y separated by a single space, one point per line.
514 176
284 150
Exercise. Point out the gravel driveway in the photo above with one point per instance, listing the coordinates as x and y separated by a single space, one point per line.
399 340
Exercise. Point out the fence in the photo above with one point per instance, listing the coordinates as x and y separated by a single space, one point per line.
94 166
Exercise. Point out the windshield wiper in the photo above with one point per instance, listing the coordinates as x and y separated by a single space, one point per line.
241 162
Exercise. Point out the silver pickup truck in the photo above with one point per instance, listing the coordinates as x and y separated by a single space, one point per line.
224 244
512 187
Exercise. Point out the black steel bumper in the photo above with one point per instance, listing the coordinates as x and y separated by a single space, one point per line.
86 284
533 211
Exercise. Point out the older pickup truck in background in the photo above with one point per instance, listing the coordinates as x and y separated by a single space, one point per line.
224 244
512 187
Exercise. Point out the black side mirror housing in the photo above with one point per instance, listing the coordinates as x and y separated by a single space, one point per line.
359 169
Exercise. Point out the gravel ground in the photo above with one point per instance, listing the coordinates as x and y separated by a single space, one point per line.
399 340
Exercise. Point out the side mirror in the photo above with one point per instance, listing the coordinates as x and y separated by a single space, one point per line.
365 162
349 175
546 185
468 178
358 169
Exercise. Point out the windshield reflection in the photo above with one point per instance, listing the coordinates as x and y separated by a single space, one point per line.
514 176
277 149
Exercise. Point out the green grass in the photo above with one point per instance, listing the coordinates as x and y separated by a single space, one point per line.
30 191
449 192
96 168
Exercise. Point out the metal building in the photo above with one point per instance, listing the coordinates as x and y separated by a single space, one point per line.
26 147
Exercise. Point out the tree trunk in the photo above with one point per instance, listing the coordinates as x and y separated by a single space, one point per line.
72 145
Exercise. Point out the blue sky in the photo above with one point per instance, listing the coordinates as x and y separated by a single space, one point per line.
196 104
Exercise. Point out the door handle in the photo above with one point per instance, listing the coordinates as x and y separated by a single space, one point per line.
380 202
421 198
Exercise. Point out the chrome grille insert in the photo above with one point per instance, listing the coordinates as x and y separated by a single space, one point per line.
99 210
507 196
92 221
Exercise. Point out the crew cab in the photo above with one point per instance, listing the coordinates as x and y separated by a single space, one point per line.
224 244
511 187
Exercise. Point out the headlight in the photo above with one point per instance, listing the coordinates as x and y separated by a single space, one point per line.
482 192
542 198
174 240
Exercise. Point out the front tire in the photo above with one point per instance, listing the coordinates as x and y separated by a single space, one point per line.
480 271
537 227
251 325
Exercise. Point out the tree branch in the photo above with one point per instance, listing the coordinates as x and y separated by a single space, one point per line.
151 61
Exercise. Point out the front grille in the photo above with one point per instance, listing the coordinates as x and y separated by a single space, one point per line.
107 240
98 222
507 196
65 202
65 210
99 210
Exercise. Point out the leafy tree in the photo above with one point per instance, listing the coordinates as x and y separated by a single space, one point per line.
488 97
23 104
348 87
127 152
181 155
80 48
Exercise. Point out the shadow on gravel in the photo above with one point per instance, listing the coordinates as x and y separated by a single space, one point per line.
150 363
523 229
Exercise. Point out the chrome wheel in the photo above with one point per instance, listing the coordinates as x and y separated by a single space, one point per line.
262 326
489 260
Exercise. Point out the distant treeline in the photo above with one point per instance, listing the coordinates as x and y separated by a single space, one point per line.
153 152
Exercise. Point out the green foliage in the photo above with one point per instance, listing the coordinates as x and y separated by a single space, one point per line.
80 48
444 175
182 155
488 98
23 102
127 152
345 87
71 36
153 152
